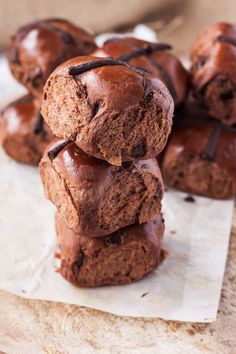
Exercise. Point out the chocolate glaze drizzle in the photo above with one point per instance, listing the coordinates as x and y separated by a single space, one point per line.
52 154
166 77
149 49
67 38
82 68
209 152
38 125
226 39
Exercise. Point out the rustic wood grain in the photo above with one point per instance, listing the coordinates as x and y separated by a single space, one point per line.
28 327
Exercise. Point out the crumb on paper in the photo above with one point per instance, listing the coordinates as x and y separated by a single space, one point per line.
144 294
163 256
173 232
57 255
189 198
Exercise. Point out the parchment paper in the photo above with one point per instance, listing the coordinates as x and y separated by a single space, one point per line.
185 287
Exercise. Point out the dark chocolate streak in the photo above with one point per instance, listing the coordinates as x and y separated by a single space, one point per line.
153 47
225 39
52 154
147 50
67 38
56 20
38 125
82 68
166 77
209 152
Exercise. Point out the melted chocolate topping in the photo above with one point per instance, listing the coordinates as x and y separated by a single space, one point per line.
67 38
115 239
225 39
38 125
82 68
52 154
151 48
210 150
166 77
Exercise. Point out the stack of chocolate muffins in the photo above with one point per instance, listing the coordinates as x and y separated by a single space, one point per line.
111 119
34 52
201 154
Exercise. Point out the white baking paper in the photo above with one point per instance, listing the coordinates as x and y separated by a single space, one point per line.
185 287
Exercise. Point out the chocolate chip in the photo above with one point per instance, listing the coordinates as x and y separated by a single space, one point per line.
115 239
228 95
52 154
127 164
78 263
189 199
139 150
148 98
96 108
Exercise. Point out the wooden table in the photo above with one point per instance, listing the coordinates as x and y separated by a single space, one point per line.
28 326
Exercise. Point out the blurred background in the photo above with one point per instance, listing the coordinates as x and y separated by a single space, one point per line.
175 21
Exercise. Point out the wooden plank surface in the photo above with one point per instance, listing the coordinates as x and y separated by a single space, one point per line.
35 327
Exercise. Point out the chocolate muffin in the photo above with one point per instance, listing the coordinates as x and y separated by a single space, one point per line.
201 158
113 111
95 198
155 57
213 72
23 133
120 258
39 47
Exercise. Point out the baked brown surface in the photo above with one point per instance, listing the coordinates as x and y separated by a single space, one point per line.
113 111
39 47
23 133
213 72
96 198
120 258
201 158
155 57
